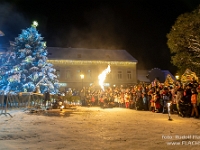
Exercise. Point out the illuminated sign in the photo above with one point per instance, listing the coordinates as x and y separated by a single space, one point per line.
63 84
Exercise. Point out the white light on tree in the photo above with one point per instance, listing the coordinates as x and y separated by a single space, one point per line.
35 24
102 76
44 44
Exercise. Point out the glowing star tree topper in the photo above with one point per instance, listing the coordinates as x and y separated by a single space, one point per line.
35 24
102 76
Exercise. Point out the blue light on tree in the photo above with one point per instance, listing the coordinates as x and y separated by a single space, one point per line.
24 67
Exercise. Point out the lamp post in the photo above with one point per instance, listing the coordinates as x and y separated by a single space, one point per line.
82 77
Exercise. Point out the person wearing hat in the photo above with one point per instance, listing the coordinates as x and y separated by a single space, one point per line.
166 97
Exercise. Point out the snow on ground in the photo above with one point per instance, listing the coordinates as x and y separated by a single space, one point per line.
94 128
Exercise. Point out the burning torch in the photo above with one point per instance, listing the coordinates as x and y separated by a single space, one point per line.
102 76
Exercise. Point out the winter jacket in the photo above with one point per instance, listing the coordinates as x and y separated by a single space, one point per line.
179 95
194 98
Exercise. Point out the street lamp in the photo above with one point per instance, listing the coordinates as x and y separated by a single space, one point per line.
82 77
177 77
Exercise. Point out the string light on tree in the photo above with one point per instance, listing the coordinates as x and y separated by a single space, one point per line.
26 67
44 44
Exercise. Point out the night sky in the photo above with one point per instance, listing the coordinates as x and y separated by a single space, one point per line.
138 26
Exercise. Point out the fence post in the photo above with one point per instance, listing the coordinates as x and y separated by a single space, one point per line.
5 104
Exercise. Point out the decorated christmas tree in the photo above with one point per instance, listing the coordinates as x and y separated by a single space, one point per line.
24 67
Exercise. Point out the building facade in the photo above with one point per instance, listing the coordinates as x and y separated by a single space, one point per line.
71 63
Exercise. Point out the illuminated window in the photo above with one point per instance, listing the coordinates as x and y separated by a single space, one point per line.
58 73
78 72
89 74
119 75
68 74
63 84
128 74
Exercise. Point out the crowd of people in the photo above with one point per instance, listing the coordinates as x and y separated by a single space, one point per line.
181 99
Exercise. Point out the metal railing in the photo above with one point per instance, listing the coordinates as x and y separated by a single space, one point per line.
32 101
27 100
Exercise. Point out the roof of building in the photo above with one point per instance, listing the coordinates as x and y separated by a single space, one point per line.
166 72
150 75
88 54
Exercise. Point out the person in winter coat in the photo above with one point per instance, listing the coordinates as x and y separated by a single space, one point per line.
116 100
166 96
152 101
188 93
157 102
92 100
179 97
82 95
198 99
149 97
145 103
126 98
101 101
194 103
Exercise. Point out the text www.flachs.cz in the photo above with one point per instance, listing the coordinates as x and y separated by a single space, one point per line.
184 143
173 143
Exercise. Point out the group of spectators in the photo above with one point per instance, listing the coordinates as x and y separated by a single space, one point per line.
181 99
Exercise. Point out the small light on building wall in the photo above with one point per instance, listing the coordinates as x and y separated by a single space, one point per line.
82 76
